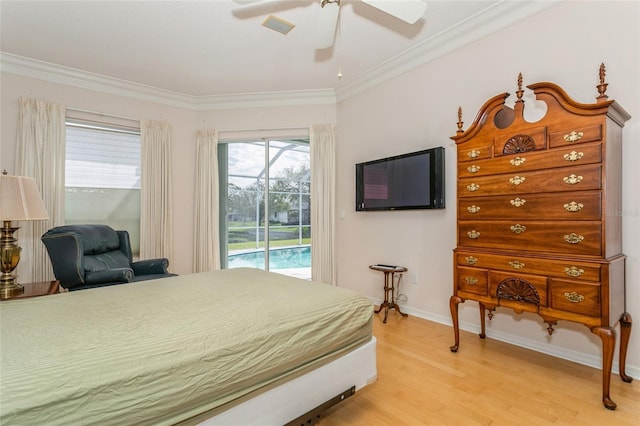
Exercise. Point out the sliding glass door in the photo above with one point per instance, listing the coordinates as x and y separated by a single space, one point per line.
266 205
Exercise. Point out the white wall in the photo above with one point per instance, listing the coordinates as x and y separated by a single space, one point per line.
184 123
564 44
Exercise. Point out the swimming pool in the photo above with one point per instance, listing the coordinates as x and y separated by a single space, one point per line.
279 258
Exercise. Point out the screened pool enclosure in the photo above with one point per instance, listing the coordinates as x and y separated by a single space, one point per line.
265 192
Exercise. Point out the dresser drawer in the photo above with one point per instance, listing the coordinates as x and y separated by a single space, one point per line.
572 238
577 205
535 160
579 298
475 153
578 178
568 269
521 288
472 280
576 134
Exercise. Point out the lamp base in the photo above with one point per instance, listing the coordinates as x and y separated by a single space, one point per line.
9 259
9 290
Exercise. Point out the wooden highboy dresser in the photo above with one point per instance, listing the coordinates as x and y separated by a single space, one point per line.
539 215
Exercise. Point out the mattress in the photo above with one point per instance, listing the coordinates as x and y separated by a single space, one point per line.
163 351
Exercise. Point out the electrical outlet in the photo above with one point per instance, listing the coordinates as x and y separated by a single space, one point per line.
414 277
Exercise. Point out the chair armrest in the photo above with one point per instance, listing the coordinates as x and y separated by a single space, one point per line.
150 266
120 275
67 260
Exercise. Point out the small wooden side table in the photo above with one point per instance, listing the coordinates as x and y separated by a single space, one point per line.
41 288
389 288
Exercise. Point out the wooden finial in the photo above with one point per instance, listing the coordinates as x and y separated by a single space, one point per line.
460 122
602 87
519 92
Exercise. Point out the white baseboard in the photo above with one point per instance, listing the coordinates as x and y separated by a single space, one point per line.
546 348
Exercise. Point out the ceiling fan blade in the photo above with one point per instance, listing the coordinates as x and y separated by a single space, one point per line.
407 10
252 8
326 25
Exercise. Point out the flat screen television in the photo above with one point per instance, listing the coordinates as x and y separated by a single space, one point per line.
404 182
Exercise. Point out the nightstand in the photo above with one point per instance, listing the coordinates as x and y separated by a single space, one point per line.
41 288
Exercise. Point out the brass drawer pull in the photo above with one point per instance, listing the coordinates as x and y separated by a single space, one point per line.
471 280
574 297
573 136
516 264
518 229
473 169
471 260
573 206
518 161
474 153
573 156
518 202
573 238
473 234
572 179
517 180
473 187
573 271
473 209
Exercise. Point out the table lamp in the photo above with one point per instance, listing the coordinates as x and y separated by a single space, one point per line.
19 200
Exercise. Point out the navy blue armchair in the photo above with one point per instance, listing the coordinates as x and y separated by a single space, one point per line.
87 256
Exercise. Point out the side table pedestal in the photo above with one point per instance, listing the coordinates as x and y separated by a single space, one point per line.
389 288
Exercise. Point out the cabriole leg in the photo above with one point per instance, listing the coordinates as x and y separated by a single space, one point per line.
608 337
625 334
482 309
453 306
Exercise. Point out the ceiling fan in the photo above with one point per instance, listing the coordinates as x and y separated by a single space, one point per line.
409 11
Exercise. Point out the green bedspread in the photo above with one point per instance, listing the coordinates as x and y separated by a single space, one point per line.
159 352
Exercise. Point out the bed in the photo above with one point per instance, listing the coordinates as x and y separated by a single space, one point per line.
238 346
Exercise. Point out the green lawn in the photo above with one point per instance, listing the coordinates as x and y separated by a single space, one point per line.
277 243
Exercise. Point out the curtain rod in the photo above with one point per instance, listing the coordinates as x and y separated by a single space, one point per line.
86 111
270 129
265 129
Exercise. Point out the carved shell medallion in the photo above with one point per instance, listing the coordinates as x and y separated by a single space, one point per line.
518 290
519 143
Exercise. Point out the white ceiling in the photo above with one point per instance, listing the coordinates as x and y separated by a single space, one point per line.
211 48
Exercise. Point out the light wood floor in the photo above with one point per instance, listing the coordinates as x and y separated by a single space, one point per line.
420 382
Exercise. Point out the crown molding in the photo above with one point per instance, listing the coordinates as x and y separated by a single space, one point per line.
265 99
32 68
482 24
40 70
490 20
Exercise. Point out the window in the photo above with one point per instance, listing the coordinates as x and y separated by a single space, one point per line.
274 236
102 177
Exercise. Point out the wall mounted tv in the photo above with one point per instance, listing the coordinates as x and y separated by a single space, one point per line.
404 182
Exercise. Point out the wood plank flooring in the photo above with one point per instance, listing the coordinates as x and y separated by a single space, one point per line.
421 382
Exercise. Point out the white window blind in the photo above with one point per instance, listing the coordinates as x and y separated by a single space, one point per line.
102 157
102 177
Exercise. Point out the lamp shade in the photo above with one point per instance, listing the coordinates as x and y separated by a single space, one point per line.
20 199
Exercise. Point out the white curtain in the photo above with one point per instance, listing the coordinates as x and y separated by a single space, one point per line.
206 221
40 154
323 171
156 225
